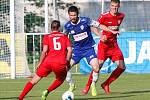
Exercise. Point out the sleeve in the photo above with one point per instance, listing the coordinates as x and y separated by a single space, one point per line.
93 23
65 31
101 19
45 40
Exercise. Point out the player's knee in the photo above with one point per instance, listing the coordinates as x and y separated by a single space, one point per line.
101 62
122 66
96 69
62 79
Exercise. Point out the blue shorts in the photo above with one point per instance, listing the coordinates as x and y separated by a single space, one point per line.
89 54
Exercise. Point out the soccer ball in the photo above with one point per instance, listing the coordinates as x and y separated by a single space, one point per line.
68 95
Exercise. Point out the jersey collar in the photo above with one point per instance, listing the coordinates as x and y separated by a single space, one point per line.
77 22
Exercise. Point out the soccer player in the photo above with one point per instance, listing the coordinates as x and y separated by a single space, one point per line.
55 46
108 48
79 30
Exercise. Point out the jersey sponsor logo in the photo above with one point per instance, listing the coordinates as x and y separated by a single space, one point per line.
113 27
80 36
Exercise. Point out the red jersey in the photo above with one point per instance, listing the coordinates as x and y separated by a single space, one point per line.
57 45
113 23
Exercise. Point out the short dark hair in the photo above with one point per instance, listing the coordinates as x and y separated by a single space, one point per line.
55 25
73 9
116 1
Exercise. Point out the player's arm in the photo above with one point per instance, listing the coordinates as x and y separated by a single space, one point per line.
65 30
96 31
45 49
69 53
94 23
102 37
105 28
43 54
94 26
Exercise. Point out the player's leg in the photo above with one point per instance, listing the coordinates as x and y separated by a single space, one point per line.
76 56
115 74
60 73
29 86
69 77
117 57
87 87
40 72
95 75
93 61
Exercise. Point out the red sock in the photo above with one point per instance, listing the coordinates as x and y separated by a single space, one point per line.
115 74
26 89
55 84
90 79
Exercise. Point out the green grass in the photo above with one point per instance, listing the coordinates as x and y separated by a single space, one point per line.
127 87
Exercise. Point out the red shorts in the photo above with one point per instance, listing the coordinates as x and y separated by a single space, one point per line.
47 67
111 51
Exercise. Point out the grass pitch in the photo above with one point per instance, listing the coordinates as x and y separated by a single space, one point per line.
127 87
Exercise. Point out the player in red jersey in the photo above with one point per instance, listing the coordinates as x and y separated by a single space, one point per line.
55 57
108 47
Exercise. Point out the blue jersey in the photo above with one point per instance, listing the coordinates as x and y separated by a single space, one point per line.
80 33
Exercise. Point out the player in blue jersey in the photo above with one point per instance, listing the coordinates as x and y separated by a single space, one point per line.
79 31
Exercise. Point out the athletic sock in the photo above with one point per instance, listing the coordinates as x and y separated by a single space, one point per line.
26 89
69 78
54 85
95 76
115 74
90 79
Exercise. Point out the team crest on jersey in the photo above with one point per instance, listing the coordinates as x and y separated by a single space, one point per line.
82 27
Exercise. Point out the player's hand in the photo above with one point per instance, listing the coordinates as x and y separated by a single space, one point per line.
103 38
116 32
